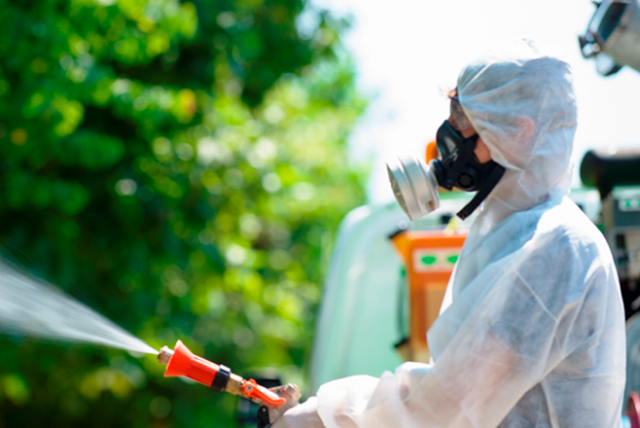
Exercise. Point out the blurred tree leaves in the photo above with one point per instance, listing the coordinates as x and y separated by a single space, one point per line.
182 168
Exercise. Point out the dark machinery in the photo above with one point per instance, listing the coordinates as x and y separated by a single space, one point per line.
616 174
612 37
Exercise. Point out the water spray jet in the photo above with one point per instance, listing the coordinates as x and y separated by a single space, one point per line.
30 306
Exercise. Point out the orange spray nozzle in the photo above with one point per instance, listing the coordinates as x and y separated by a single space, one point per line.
182 362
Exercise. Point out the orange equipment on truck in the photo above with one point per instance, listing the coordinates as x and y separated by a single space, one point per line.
429 258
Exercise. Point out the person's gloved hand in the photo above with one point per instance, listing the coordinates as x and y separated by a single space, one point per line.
304 415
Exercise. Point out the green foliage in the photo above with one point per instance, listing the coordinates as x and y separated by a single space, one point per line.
182 168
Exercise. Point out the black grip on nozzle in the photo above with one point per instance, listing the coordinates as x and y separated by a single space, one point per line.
222 379
263 417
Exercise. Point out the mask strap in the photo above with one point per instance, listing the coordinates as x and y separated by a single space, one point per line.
492 180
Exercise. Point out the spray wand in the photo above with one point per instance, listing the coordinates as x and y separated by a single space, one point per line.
273 402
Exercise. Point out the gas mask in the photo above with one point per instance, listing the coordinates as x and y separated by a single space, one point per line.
415 184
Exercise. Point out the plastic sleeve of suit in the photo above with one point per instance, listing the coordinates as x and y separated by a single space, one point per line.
410 397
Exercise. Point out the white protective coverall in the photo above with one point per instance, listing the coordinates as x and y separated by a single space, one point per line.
531 332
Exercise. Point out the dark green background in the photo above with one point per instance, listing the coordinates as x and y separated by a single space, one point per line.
181 167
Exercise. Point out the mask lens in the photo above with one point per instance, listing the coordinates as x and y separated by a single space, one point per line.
448 146
447 141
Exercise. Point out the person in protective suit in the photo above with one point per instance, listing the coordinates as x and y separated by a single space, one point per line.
531 332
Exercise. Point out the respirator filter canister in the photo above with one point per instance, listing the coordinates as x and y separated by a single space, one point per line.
414 185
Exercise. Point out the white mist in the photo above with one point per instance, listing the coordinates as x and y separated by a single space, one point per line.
29 306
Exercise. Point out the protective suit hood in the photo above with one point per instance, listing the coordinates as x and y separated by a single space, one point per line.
521 103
